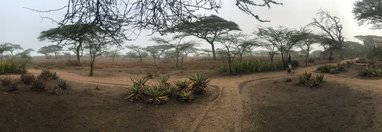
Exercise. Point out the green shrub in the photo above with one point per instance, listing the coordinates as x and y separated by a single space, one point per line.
62 85
27 78
12 67
371 72
47 75
306 79
331 69
186 96
136 91
38 85
316 82
156 95
199 84
184 84
252 66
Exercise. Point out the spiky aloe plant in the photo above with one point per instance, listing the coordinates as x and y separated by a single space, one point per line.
199 84
136 90
156 95
186 96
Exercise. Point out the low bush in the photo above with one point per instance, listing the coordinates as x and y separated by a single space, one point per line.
371 72
12 67
27 78
156 95
252 66
38 85
47 75
186 96
306 79
62 84
331 69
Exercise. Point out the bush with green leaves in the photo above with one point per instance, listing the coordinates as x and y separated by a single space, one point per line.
156 95
12 67
252 66
371 72
331 69
186 96
62 84
306 79
27 78
47 75
316 82
136 91
38 85
199 84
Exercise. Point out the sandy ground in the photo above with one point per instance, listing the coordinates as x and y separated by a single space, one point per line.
235 103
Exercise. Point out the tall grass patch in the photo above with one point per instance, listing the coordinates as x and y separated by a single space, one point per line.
252 66
12 67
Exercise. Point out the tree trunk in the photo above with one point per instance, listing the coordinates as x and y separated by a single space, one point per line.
330 56
229 62
213 50
78 48
306 59
177 58
140 57
91 68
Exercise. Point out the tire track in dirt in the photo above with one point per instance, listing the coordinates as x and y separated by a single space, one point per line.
200 118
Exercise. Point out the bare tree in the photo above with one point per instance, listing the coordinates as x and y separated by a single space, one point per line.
332 29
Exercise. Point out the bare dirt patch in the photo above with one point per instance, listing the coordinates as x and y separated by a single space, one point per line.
274 105
83 108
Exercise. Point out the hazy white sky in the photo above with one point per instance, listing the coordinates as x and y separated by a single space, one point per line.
22 26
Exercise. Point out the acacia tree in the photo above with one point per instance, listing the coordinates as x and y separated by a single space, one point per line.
177 43
112 54
228 41
332 29
283 39
307 39
68 35
207 28
244 43
271 50
370 43
50 49
369 12
138 49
